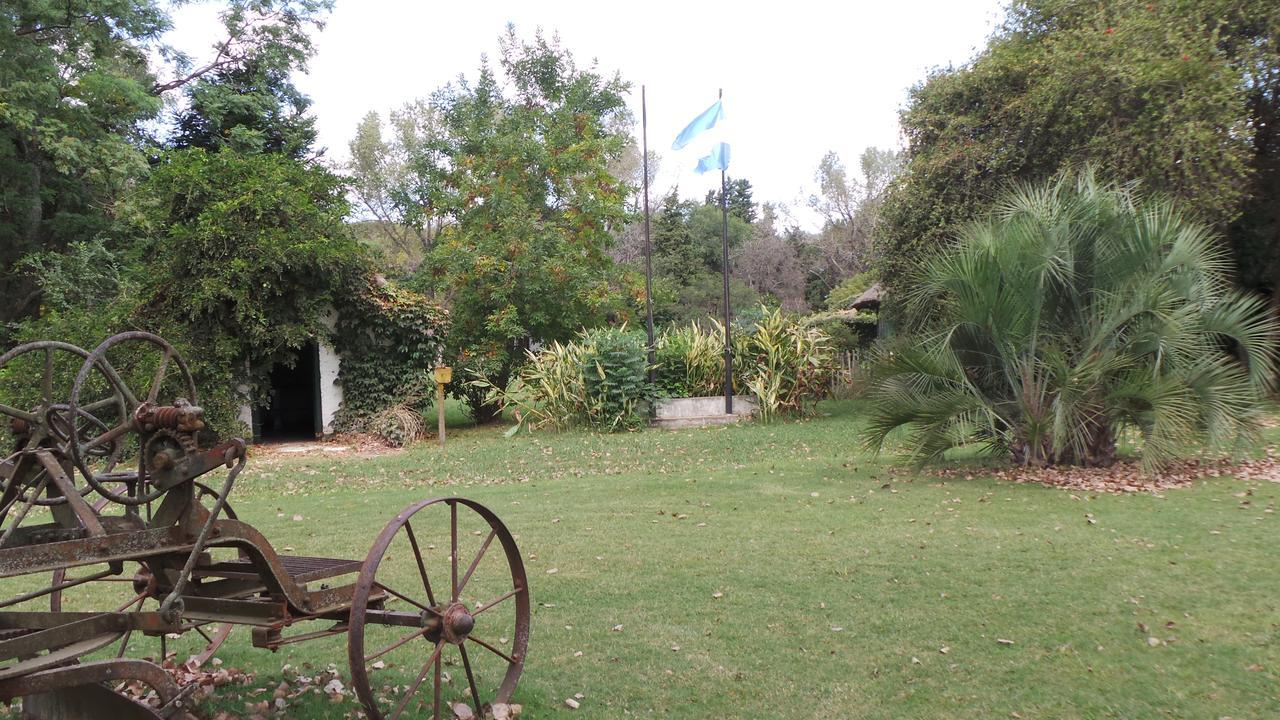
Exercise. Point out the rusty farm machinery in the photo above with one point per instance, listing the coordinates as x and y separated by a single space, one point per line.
114 529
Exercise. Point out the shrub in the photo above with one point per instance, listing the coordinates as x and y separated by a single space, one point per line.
690 361
389 338
614 369
786 363
1075 311
789 366
599 380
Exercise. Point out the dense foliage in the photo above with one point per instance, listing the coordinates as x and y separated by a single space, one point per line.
81 84
389 338
520 172
1075 311
785 363
788 365
599 379
231 241
1181 95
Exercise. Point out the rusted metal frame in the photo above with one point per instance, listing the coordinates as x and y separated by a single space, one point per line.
79 692
474 564
85 514
13 484
230 589
43 620
92 672
413 688
62 633
115 570
471 680
401 619
169 603
274 641
135 545
328 602
260 613
20 414
43 534
17 519
511 659
455 622
89 702
235 533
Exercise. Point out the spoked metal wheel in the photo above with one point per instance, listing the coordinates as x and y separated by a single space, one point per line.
440 614
35 384
148 371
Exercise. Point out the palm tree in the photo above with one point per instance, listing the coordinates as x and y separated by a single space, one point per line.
1074 311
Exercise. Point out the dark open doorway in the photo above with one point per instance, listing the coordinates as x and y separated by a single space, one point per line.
294 410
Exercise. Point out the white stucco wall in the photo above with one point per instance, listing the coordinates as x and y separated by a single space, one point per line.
330 390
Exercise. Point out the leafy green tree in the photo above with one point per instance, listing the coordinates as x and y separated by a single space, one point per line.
521 173
1179 95
741 204
673 250
1076 311
80 84
383 179
75 89
248 249
850 207
249 108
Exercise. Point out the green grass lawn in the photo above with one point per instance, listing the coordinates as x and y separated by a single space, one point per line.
800 577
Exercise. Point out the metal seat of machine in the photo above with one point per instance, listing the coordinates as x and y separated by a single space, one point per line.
301 569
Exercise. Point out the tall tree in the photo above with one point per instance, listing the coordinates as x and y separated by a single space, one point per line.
741 203
383 179
673 251
1179 95
80 83
850 207
521 172
253 107
75 89
770 265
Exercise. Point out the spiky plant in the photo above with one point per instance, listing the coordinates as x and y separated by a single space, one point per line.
1074 311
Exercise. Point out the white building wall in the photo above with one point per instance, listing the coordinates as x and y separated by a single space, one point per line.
330 390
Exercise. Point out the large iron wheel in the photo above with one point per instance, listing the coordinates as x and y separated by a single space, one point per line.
168 372
433 587
31 374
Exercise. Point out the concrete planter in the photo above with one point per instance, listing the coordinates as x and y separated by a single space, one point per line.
673 413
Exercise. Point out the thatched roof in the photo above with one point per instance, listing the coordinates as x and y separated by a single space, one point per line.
868 300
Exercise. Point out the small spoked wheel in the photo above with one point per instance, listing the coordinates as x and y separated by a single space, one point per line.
35 379
147 370
440 614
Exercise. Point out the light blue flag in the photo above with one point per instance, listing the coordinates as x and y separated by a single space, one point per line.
705 121
717 160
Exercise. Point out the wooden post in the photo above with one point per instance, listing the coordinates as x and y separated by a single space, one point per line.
444 374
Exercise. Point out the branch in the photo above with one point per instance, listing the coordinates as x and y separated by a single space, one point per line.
220 60
67 25
223 58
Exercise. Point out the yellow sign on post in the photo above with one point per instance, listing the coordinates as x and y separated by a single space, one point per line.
444 374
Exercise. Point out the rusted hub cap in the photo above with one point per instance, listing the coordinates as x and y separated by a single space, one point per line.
457 623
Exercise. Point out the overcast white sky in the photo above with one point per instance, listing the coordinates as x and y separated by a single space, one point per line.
799 77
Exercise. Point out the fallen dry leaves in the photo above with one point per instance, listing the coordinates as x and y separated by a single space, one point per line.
1128 477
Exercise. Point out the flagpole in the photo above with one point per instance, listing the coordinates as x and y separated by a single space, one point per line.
724 272
648 246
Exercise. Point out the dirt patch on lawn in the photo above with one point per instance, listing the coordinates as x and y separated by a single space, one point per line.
344 445
1127 477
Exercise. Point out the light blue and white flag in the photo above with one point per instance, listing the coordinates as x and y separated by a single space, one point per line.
717 160
705 121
